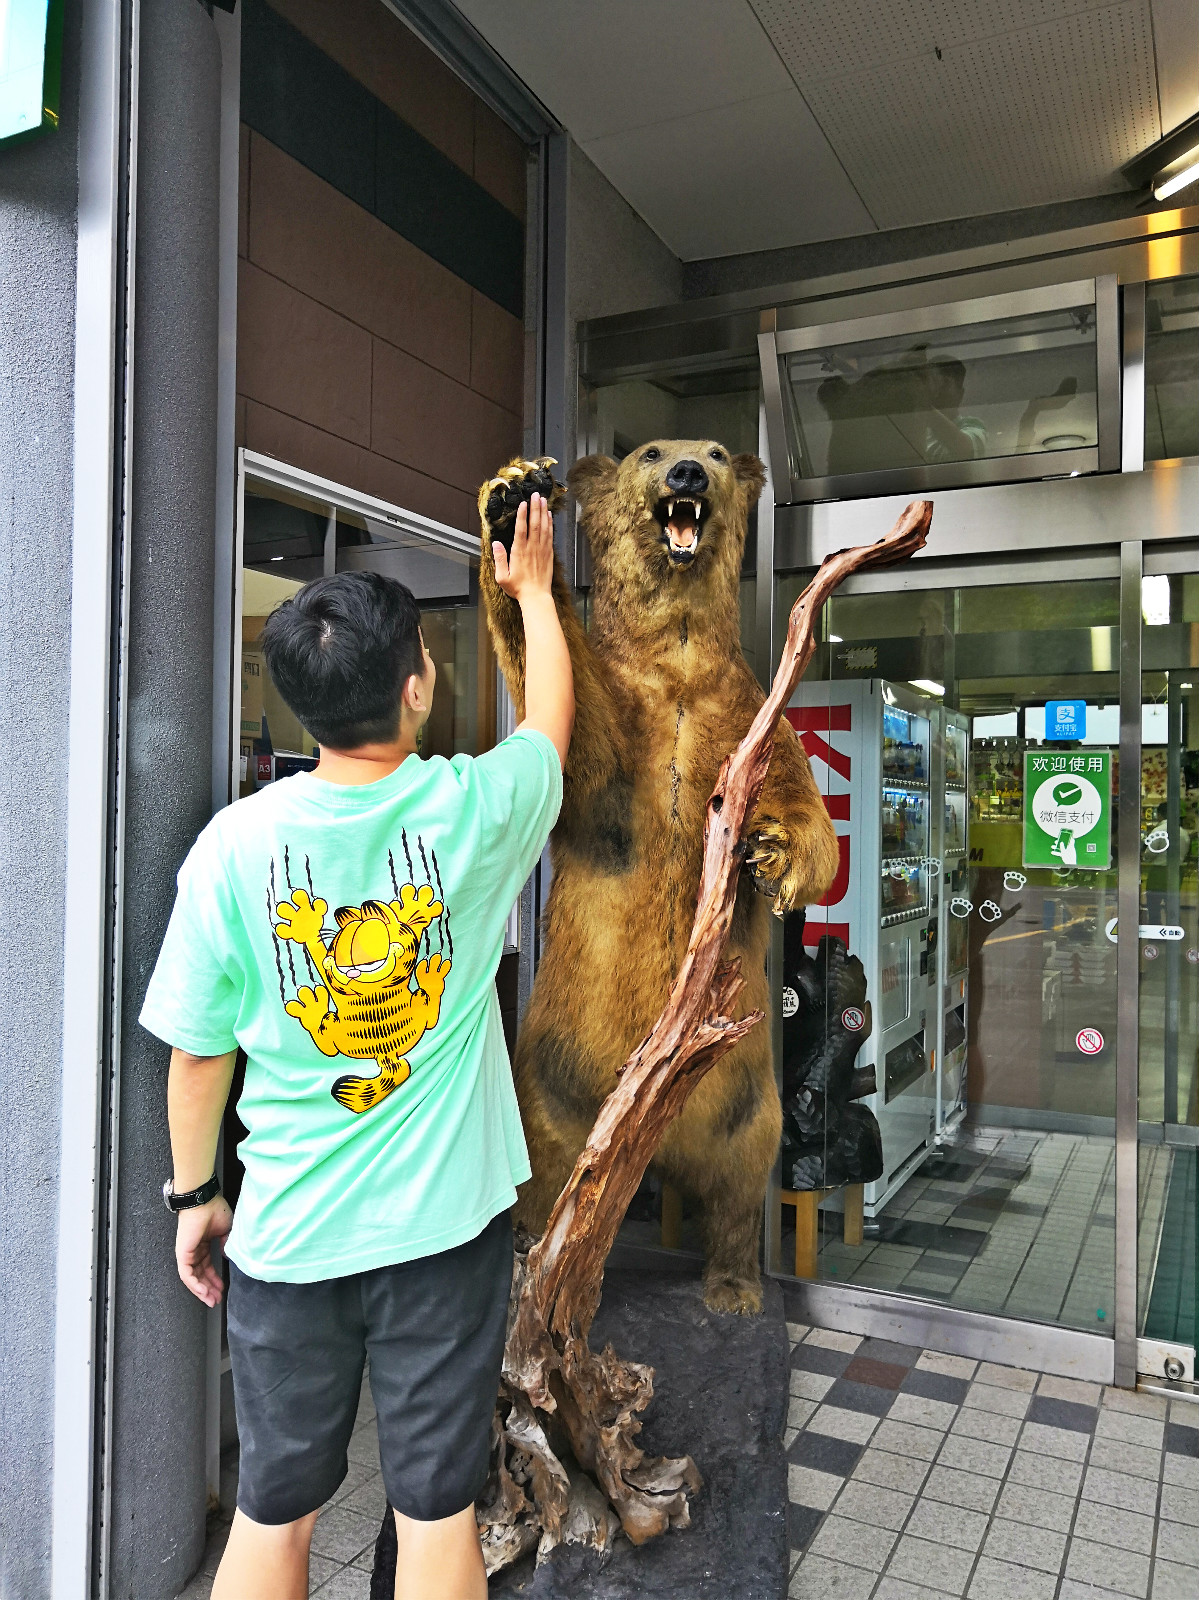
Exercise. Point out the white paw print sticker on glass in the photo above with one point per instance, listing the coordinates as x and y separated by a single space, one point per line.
1014 881
959 906
989 911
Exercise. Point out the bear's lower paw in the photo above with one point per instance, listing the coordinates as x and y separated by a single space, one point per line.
501 497
740 1297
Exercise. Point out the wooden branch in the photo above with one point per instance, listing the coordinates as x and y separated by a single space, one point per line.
581 1403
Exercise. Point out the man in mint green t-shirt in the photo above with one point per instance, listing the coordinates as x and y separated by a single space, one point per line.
343 928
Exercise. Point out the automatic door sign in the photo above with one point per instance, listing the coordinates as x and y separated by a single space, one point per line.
1167 932
1089 1041
853 1020
790 1001
1067 810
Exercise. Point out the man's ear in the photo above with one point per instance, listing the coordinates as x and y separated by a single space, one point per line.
751 475
589 478
413 693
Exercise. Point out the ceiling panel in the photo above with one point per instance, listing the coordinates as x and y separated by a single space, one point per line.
606 66
753 176
1047 110
1176 48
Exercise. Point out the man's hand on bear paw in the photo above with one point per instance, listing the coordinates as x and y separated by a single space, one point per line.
773 860
512 487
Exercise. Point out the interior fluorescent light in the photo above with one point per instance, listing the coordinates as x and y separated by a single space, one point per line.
834 638
1165 185
927 685
1155 600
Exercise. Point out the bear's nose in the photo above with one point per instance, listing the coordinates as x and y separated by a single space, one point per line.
687 477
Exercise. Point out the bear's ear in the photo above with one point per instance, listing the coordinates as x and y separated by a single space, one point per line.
750 474
590 477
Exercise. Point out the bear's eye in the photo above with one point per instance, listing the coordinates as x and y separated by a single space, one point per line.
651 454
716 455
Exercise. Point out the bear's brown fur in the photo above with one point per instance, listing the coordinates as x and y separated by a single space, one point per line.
663 694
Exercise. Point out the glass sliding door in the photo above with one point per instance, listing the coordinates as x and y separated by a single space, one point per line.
1168 976
984 934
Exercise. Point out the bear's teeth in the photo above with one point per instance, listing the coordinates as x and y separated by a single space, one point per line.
669 509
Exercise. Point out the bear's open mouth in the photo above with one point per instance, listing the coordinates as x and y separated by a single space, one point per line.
681 520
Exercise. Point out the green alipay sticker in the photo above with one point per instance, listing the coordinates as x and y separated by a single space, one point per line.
1068 810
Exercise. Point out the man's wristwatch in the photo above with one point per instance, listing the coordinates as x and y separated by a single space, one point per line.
193 1197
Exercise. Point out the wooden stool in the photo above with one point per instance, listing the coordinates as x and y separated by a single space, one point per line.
672 1217
807 1222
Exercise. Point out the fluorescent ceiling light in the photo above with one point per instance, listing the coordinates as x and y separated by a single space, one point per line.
1167 183
927 685
834 638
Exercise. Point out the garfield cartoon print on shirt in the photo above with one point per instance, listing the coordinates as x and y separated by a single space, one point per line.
372 996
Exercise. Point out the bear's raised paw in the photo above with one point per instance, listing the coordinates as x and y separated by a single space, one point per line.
501 497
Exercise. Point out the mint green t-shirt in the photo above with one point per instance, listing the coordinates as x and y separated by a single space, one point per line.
347 938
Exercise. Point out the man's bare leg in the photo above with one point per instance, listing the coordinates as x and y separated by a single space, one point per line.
440 1560
264 1561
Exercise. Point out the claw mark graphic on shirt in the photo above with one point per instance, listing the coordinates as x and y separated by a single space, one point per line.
365 1006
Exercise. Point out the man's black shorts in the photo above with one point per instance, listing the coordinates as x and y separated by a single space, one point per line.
434 1331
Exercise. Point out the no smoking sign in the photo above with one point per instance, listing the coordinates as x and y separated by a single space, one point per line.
1089 1041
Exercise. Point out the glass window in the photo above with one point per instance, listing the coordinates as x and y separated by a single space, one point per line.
1017 386
1172 369
679 404
290 538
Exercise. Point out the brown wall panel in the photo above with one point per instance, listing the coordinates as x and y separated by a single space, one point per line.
360 358
427 421
307 234
497 352
375 47
273 433
500 160
301 358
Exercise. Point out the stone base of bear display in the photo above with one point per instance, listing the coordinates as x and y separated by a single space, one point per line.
663 694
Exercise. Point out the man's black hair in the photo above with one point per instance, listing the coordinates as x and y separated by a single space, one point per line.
340 651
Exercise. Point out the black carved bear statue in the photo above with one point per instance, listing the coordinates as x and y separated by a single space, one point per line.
827 1139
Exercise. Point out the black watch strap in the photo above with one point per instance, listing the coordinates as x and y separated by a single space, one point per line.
193 1197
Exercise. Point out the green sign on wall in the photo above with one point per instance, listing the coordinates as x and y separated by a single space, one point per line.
30 67
1068 810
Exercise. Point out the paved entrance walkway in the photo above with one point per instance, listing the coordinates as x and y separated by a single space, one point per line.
915 1476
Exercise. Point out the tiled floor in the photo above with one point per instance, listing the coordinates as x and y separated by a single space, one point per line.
1010 1221
916 1476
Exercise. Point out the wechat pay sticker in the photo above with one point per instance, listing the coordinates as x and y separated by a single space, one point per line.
790 1002
1067 807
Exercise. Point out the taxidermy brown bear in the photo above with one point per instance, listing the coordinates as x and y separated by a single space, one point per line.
663 694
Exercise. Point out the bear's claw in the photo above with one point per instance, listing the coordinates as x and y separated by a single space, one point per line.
501 497
773 862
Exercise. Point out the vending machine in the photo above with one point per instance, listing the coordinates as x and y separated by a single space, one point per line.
891 765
